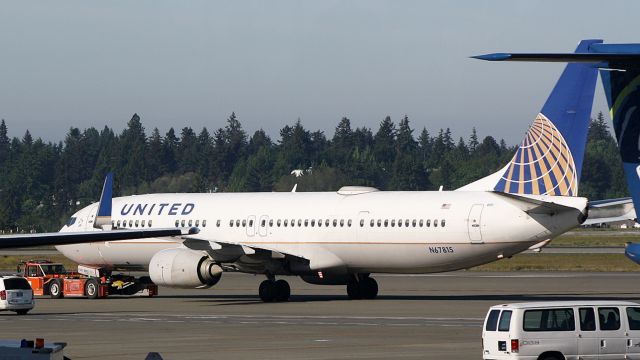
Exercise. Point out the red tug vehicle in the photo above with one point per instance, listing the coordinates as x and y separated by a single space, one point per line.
49 278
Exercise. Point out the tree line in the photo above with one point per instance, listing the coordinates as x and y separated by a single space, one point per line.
42 183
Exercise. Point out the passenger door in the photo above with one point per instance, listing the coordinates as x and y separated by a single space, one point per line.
633 338
587 334
474 223
612 341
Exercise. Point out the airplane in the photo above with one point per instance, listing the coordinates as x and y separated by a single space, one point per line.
342 237
619 66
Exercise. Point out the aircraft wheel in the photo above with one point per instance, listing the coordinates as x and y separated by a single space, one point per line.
91 289
354 291
283 290
369 288
267 291
55 289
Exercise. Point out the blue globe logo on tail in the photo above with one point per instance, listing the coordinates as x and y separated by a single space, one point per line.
542 165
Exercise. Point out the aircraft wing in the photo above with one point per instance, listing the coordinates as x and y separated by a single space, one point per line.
313 257
66 238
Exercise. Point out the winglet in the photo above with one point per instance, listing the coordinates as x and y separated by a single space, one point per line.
104 208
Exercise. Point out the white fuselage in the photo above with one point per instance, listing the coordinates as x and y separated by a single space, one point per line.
359 231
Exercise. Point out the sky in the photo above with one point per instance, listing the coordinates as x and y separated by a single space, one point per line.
191 63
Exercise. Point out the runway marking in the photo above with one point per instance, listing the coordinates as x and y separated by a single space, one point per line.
283 320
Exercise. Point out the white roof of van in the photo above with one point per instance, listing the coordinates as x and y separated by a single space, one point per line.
544 304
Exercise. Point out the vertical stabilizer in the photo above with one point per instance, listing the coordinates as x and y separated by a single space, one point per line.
549 159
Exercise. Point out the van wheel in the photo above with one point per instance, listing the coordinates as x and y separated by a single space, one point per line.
91 289
550 357
22 312
55 289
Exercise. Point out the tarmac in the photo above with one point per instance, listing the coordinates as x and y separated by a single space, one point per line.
435 316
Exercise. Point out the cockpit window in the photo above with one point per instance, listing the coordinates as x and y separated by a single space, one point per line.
71 221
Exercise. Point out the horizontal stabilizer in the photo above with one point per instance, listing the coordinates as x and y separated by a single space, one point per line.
610 211
549 205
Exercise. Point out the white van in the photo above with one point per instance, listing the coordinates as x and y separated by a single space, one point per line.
562 330
16 294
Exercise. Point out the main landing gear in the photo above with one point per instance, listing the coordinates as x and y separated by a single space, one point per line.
362 288
272 290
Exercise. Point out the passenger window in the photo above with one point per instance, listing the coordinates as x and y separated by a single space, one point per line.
150 223
299 222
286 222
413 223
217 222
306 222
400 223
505 321
237 223
361 222
609 318
406 223
313 222
349 223
204 223
197 223
549 320
143 223
130 223
137 223
293 222
492 320
270 222
177 223
633 315
442 223
244 223
587 319
379 222
386 223
435 223
231 223
341 222
190 223
279 222
393 222
319 222
371 223
182 223
326 223
263 223
429 223
118 223
335 222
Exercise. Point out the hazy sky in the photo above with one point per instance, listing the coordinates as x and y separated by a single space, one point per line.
191 63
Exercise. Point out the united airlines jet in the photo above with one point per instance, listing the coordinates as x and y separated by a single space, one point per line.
341 238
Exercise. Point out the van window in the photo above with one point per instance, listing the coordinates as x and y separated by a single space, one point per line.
587 319
492 320
505 320
549 320
609 318
16 284
633 314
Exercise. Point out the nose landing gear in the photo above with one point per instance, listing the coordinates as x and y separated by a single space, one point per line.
274 291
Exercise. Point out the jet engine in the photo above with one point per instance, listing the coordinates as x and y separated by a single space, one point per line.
184 268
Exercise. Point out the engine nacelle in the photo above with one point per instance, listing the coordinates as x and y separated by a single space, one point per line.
184 268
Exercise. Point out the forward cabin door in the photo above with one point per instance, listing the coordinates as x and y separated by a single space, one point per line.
475 223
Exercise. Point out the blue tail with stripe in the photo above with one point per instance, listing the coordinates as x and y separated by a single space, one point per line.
549 160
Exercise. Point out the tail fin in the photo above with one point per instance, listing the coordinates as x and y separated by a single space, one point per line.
620 73
549 160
